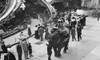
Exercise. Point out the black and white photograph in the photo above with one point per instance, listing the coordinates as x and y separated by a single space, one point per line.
49 29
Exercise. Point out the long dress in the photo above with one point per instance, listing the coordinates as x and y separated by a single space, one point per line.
46 34
29 31
19 51
25 49
37 35
40 32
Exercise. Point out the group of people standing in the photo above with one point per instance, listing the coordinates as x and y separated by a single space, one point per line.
40 32
96 13
75 23
66 25
23 47
66 22
68 18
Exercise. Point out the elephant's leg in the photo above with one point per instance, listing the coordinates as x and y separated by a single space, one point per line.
60 46
59 52
55 51
49 51
66 44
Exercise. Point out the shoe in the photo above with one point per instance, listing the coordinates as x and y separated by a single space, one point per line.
78 40
31 56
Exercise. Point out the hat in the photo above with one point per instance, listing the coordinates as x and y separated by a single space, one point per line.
9 49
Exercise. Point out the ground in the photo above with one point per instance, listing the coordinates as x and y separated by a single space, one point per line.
87 49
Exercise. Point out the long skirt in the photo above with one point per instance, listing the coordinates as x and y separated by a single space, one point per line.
37 35
29 31
46 35
73 32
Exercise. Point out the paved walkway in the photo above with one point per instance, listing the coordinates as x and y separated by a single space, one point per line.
87 49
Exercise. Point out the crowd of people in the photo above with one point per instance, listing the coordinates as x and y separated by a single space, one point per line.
96 13
22 47
67 19
70 25
67 23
